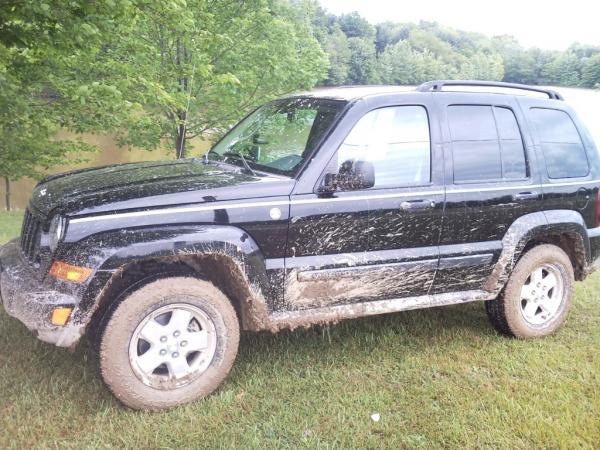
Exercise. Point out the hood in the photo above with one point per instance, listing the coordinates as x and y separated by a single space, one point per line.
149 184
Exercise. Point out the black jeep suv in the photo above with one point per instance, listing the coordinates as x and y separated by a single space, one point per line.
315 208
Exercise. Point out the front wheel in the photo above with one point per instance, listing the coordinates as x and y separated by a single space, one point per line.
537 296
170 342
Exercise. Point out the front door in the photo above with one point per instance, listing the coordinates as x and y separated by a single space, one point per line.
376 243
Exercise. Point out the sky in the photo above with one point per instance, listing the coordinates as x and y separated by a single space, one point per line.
537 23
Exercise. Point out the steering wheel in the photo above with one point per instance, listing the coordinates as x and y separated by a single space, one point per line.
286 163
217 156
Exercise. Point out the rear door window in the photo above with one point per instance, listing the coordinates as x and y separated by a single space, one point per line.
561 144
486 144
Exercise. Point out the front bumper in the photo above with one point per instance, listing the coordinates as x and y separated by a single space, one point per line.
31 301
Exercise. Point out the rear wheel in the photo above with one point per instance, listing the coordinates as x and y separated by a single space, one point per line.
537 296
169 342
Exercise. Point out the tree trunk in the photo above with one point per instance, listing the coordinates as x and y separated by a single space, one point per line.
182 115
180 140
7 192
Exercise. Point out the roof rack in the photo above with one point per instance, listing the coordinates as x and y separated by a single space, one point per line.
437 86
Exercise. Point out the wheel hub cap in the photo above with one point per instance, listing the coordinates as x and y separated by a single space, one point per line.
172 346
542 295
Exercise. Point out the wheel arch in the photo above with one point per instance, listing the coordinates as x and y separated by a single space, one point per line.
563 228
225 256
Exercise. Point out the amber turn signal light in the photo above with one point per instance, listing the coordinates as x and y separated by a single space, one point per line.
67 272
60 316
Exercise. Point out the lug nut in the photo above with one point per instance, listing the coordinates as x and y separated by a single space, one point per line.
176 333
175 355
163 352
183 343
163 339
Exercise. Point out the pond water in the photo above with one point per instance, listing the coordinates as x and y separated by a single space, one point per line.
587 104
585 101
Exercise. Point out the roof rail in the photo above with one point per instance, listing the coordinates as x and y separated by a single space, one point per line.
437 86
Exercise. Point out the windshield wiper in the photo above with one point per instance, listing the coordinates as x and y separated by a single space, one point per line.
244 162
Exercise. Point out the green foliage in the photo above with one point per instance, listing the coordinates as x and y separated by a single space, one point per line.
39 48
355 26
400 64
389 33
153 73
362 65
564 69
409 53
590 72
338 48
158 73
200 67
482 67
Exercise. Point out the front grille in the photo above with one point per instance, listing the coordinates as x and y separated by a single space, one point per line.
30 236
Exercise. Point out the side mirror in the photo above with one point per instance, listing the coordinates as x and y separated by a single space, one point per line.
353 175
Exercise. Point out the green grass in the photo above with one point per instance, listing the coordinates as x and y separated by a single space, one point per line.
10 225
439 378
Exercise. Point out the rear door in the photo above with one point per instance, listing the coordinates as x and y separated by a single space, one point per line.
491 180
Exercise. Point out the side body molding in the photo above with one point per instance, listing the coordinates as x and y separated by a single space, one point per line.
528 227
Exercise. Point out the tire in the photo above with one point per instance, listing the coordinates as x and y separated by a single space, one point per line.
523 312
186 324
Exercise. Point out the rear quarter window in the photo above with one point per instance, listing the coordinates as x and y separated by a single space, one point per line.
561 144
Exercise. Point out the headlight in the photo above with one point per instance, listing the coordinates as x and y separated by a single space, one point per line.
57 230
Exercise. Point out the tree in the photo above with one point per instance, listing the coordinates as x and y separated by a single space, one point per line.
355 26
198 68
389 33
519 66
39 44
563 69
363 62
583 51
338 50
422 40
396 64
400 64
483 67
590 73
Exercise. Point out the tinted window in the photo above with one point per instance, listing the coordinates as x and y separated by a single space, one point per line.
396 141
486 144
472 123
561 144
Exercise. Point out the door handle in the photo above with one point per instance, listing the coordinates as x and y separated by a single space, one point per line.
530 195
417 204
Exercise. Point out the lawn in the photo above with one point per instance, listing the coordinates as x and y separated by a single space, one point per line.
438 378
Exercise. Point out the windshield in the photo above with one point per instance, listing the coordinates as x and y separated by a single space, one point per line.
279 136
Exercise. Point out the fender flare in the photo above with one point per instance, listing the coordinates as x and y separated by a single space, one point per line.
169 243
528 227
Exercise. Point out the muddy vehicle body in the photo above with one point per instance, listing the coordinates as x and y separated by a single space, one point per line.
315 208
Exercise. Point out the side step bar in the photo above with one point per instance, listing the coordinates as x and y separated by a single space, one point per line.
333 314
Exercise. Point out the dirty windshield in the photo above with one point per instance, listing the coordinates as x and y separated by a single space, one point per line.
279 136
